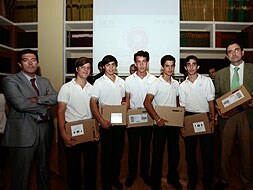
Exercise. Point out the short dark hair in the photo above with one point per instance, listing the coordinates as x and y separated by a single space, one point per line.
167 58
187 59
142 54
234 42
109 58
82 61
26 51
100 64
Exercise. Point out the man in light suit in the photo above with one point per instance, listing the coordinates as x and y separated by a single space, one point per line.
29 130
239 126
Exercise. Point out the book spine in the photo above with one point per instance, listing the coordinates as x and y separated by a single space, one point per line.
230 8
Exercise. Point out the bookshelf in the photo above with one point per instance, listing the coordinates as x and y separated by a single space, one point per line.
70 53
211 29
11 42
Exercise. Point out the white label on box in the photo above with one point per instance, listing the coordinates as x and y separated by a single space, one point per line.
116 117
140 118
77 130
199 127
232 98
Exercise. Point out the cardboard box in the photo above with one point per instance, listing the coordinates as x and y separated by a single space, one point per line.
174 115
115 114
234 101
138 118
196 124
82 131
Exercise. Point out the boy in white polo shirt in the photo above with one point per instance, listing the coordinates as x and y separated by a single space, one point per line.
197 95
164 92
74 105
136 89
109 90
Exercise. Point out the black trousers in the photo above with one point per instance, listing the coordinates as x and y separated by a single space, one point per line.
22 159
112 147
160 136
137 135
87 151
206 147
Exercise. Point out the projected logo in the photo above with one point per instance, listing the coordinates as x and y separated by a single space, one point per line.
137 39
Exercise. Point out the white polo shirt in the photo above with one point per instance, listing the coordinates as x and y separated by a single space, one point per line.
108 92
195 96
138 88
77 100
165 93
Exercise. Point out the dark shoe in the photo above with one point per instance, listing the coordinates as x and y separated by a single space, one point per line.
220 185
129 182
117 185
177 185
147 180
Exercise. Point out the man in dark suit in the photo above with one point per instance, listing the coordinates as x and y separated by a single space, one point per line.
239 126
29 130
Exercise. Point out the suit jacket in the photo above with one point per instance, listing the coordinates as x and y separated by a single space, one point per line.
222 86
21 124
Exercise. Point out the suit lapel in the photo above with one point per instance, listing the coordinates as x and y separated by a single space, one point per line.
246 74
41 85
226 77
25 81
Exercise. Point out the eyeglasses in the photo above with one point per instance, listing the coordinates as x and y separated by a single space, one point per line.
236 50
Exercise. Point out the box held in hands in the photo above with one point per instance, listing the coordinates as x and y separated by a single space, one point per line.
138 118
174 115
234 101
116 114
196 124
83 130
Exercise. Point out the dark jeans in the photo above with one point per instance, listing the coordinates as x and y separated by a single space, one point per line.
160 136
206 147
75 171
112 147
137 135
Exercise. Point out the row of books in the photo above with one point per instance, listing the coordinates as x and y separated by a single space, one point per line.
245 37
79 10
202 39
194 39
25 11
217 10
79 38
19 11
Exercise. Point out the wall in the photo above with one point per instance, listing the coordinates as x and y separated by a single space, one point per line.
50 40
